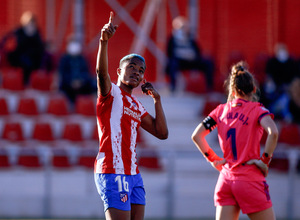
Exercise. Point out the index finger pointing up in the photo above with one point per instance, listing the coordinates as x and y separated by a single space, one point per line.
111 17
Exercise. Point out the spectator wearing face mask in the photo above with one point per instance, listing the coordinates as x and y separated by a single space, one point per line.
75 77
26 47
281 69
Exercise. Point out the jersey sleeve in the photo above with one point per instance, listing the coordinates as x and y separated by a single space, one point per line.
262 112
210 122
215 114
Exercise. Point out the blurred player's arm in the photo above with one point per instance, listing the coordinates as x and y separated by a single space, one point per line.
198 137
103 78
156 126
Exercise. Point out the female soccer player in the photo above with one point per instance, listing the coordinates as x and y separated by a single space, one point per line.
119 115
241 121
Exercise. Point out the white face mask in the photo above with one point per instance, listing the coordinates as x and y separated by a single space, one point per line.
282 55
74 48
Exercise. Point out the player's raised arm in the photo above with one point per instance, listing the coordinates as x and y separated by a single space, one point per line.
103 79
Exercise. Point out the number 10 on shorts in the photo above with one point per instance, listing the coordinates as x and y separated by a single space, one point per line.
123 185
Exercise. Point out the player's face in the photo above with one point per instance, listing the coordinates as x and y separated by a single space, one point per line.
131 73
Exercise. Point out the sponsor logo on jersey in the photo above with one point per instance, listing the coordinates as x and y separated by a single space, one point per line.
132 113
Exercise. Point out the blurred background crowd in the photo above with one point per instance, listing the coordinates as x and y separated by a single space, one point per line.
59 38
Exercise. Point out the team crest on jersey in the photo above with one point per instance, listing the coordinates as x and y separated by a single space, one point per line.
124 197
132 103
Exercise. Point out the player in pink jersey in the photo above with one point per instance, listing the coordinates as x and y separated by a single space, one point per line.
241 122
119 116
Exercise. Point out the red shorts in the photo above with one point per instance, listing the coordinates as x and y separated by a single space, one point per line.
250 196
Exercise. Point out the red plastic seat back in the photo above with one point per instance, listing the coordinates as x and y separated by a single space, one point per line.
13 81
28 106
43 132
289 134
13 132
85 105
72 132
3 107
58 106
41 81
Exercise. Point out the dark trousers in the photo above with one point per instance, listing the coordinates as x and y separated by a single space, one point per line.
201 64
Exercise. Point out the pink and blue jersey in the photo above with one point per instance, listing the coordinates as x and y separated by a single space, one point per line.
119 116
239 134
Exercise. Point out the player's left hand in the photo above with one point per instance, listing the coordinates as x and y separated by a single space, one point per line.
148 89
261 165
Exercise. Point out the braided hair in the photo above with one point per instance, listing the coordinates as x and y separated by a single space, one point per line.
242 82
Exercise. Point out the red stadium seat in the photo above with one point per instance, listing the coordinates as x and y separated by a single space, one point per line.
72 132
280 164
151 161
60 159
87 157
13 81
289 134
87 161
195 82
85 105
42 131
4 158
27 106
13 131
58 106
41 81
3 107
29 158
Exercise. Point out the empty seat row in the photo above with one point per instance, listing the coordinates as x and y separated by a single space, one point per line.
35 104
57 158
45 131
12 79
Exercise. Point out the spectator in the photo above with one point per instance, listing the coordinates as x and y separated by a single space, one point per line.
75 77
184 54
281 69
294 104
26 46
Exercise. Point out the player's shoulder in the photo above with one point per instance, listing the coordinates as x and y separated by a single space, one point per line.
259 108
259 105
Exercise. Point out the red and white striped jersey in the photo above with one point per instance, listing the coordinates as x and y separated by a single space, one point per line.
119 116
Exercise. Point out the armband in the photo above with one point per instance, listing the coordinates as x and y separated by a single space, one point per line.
265 158
211 156
209 123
